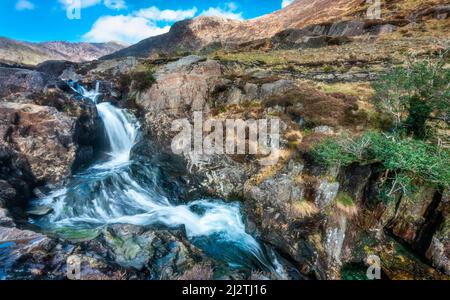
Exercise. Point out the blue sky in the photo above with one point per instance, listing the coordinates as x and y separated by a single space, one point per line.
126 21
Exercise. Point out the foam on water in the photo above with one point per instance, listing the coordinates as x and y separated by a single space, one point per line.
109 193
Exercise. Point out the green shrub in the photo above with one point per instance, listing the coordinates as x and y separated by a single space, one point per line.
414 94
143 80
344 199
330 153
407 160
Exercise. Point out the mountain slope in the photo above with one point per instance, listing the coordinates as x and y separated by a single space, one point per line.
196 34
12 51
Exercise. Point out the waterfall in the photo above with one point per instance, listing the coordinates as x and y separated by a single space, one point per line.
121 132
109 192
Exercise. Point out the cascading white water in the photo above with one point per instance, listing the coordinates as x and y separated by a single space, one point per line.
107 193
120 131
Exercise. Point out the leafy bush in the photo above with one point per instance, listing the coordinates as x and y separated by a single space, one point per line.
408 160
414 94
143 80
330 153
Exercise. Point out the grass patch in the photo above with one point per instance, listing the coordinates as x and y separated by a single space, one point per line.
143 80
346 205
303 209
362 90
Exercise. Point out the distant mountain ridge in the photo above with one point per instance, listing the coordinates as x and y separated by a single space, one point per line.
19 52
204 32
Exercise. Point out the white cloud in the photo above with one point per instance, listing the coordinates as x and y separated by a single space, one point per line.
115 4
145 23
155 14
286 3
228 13
24 5
126 29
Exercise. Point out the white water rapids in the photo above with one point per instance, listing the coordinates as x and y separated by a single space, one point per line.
120 190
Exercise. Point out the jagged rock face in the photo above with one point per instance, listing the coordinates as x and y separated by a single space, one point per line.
439 250
43 135
16 178
12 51
44 132
192 35
14 81
194 80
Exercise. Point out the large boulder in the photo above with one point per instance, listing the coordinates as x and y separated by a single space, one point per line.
16 178
165 254
14 81
43 135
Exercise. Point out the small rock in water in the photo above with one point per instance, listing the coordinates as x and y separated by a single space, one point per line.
40 211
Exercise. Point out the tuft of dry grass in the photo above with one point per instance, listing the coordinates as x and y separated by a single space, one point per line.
317 107
362 90
345 204
303 209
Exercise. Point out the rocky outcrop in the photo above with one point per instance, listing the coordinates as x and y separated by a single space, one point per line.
164 254
195 80
321 220
118 252
14 81
17 180
214 32
45 133
48 139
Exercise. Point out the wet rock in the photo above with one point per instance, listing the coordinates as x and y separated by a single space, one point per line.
5 218
15 234
165 254
28 255
53 131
